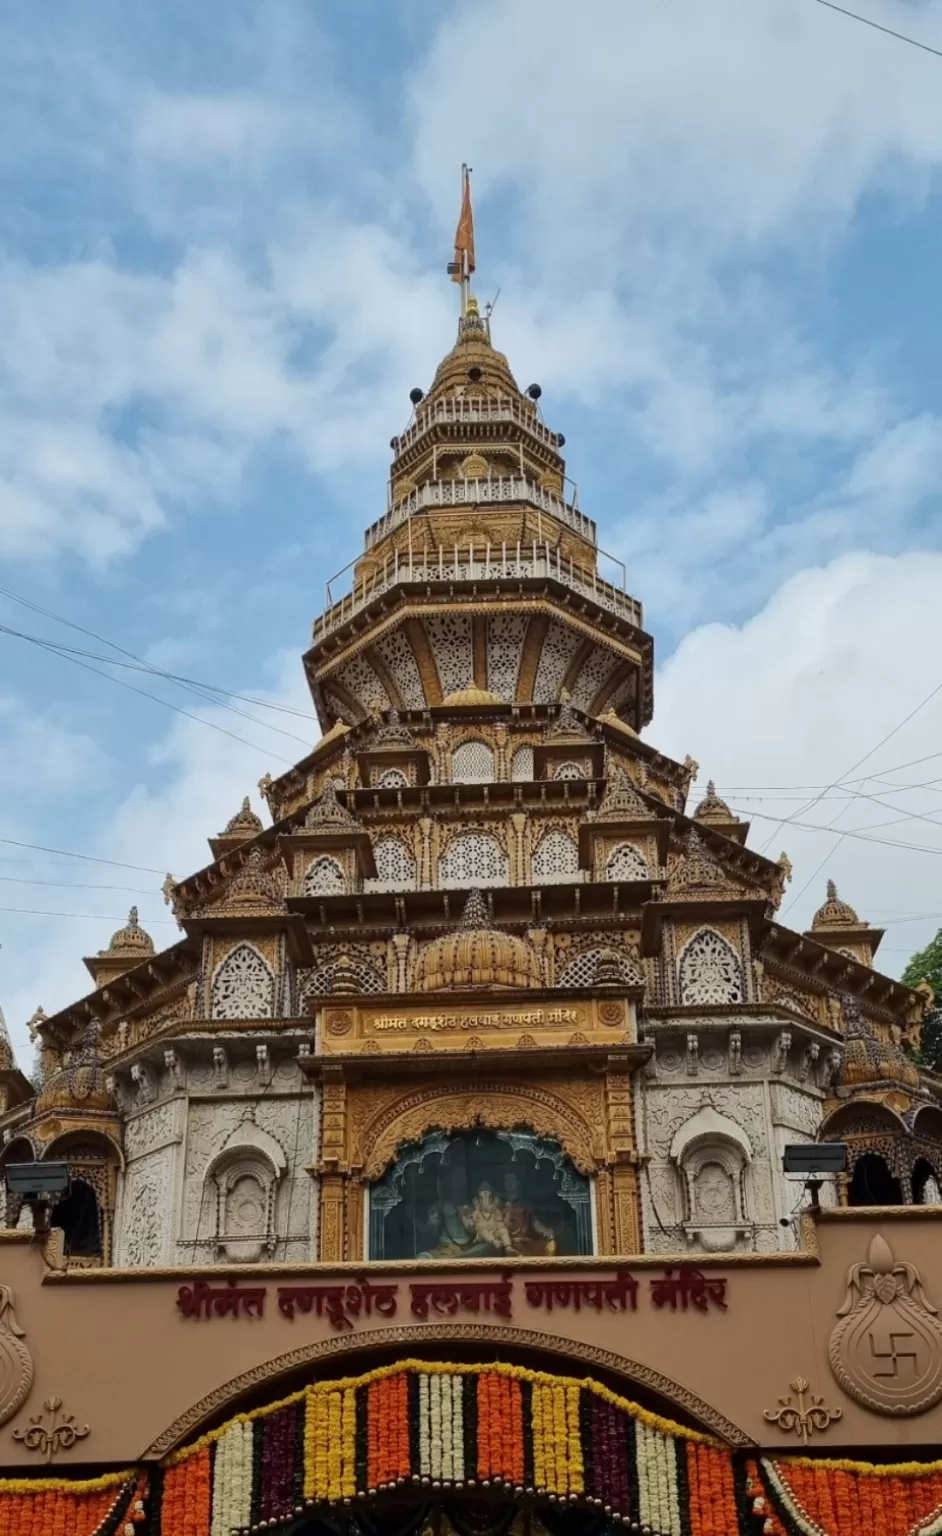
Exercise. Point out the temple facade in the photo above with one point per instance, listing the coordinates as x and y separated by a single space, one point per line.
492 1020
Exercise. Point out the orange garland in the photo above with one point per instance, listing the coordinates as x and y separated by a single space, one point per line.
187 1499
868 1501
56 1512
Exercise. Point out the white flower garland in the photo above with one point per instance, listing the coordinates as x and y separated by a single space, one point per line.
457 1427
425 1459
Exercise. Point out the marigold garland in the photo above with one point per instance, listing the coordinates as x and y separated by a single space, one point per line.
58 1507
448 1425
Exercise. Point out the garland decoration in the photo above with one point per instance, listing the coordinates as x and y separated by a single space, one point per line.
443 1426
802 1496
104 1506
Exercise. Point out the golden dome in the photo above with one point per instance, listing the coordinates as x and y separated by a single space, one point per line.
472 694
244 823
712 808
474 366
476 955
868 1058
132 939
834 913
80 1084
473 466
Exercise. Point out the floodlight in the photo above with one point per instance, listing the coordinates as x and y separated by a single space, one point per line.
815 1157
34 1180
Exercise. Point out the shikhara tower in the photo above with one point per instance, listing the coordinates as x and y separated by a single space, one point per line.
486 984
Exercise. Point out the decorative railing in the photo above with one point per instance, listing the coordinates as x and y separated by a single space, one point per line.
503 408
484 562
494 491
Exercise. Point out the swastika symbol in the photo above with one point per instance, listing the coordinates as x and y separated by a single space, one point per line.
894 1354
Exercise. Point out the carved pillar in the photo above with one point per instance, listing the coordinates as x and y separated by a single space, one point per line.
603 1211
426 853
502 764
400 945
519 874
332 1168
356 1195
625 1202
626 1223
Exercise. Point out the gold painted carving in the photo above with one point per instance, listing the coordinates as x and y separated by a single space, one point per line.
54 1434
886 1351
339 1021
800 1418
466 1018
496 1105
16 1362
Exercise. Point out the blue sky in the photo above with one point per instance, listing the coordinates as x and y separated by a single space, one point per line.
717 234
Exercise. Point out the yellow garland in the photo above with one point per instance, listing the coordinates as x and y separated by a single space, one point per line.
539 1438
349 1475
434 1367
576 1466
14 1485
868 1468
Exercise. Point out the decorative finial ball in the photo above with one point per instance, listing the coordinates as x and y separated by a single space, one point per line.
394 443
561 439
534 391
417 394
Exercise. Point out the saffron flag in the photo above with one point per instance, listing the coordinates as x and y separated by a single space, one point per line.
463 264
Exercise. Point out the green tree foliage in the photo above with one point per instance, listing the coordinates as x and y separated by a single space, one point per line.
926 965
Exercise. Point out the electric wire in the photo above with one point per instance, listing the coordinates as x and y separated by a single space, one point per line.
155 697
202 690
95 917
88 858
141 663
877 26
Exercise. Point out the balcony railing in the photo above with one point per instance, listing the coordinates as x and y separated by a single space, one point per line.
496 491
484 562
450 409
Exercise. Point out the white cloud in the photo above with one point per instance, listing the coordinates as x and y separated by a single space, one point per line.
793 698
744 122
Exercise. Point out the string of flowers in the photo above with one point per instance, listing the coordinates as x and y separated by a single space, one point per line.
57 1507
805 1497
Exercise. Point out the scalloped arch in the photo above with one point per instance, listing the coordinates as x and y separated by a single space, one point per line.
496 1106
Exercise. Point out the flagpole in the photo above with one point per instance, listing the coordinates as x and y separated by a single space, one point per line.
465 274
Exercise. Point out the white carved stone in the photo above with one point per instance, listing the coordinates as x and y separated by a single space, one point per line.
243 986
709 970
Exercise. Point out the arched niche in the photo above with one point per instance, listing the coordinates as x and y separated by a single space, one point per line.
555 859
480 1194
240 1193
472 763
926 1182
493 1105
243 986
712 1155
324 876
18 1150
395 865
709 970
473 858
86 1212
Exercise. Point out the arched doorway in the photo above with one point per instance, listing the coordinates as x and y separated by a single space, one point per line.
79 1216
872 1182
451 1448
451 1515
